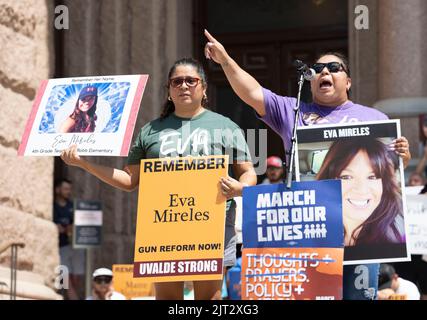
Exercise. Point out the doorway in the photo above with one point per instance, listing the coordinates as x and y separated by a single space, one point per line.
264 38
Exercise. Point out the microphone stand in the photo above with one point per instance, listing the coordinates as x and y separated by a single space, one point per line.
294 132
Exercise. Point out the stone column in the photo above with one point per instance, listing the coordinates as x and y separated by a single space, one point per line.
387 59
401 54
124 37
363 54
402 48
25 183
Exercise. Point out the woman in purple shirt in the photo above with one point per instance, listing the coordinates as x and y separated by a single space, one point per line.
330 90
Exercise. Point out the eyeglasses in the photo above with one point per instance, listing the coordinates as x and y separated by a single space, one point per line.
189 81
332 67
103 279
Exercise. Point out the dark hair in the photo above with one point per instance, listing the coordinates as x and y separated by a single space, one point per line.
60 181
168 106
84 121
344 60
380 226
385 276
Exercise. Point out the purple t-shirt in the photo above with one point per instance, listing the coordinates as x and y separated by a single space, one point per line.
280 114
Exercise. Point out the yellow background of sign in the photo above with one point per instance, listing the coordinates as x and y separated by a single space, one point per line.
154 193
127 285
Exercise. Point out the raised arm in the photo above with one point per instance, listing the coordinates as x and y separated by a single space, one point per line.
126 179
243 84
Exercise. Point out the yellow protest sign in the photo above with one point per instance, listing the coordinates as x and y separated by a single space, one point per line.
181 219
398 297
127 285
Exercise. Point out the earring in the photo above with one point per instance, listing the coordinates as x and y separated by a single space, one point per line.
169 98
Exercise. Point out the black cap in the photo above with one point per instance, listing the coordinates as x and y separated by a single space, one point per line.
386 276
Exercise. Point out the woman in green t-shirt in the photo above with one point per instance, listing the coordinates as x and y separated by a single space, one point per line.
186 103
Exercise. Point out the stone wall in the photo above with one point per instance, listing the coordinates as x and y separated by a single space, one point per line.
387 59
26 58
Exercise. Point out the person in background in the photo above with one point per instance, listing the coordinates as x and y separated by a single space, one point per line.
102 286
389 284
416 179
422 164
275 171
63 216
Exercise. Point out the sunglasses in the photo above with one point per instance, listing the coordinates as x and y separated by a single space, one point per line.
103 279
178 82
333 67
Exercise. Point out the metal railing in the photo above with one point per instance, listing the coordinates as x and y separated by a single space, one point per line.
13 264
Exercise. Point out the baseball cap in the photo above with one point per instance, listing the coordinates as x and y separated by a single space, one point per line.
88 91
274 161
102 272
386 276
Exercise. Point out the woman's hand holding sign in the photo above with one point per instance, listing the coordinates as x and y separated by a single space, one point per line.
231 187
70 157
401 147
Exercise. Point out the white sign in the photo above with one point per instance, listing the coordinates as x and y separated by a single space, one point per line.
98 114
87 224
417 223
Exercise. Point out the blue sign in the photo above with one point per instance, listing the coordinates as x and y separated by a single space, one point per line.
309 215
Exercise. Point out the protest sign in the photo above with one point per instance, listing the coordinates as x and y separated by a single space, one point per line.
98 114
181 219
293 241
127 285
417 223
362 157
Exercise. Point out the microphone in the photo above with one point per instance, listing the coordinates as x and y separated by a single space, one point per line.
307 72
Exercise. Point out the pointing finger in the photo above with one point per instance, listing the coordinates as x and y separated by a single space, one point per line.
209 36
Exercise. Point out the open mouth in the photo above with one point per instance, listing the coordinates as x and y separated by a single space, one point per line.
361 204
325 84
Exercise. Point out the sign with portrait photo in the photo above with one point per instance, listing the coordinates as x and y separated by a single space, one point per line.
98 114
362 157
